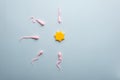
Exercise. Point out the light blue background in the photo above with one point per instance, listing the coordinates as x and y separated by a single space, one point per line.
91 49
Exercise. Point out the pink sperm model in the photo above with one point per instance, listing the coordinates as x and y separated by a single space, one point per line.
30 37
37 56
59 16
34 20
42 23
59 60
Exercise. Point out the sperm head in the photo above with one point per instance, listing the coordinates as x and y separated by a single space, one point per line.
40 53
37 37
59 54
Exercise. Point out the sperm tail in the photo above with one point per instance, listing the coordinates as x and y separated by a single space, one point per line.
34 59
21 38
58 65
25 37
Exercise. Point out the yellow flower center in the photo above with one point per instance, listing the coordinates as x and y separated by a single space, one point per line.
59 36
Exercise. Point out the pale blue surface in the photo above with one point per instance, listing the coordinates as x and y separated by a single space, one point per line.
91 50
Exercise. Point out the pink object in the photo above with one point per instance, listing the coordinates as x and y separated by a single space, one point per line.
59 60
30 37
40 53
59 16
34 20
37 57
34 59
42 23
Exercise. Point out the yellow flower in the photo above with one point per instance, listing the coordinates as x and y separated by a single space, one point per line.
59 36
